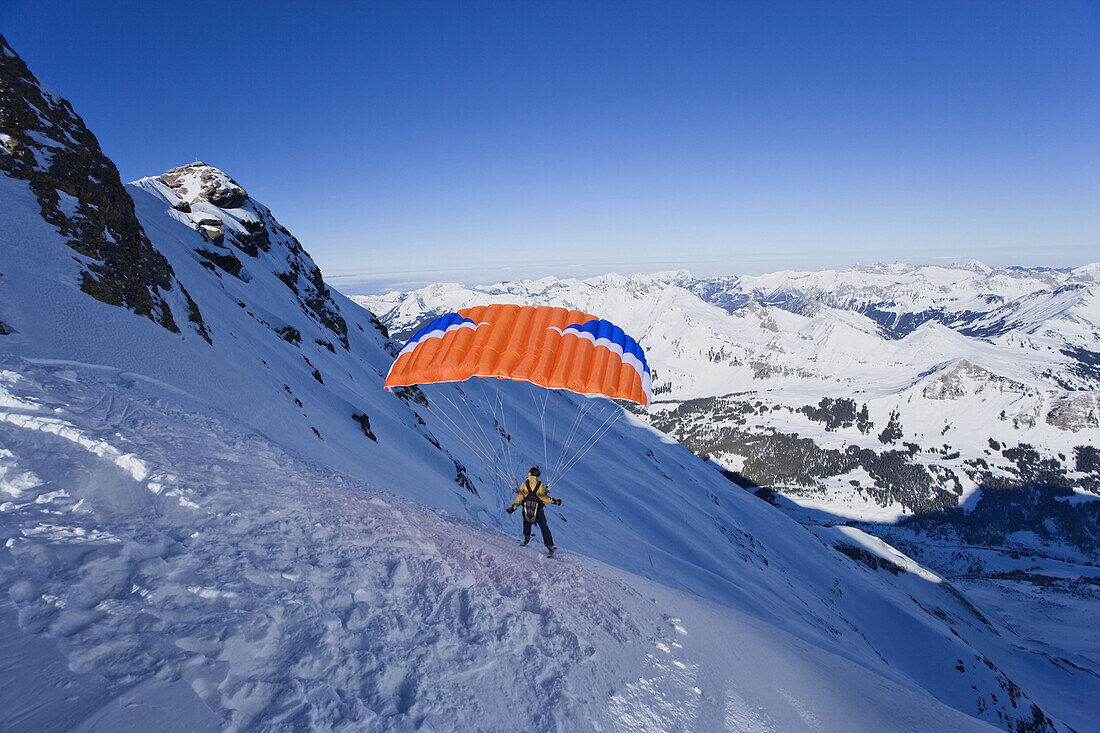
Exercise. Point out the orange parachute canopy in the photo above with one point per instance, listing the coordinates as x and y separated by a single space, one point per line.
552 347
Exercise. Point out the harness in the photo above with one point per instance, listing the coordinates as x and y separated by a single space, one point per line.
532 504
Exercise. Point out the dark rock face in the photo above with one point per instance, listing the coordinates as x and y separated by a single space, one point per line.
224 261
223 212
78 188
253 239
305 279
364 422
291 335
462 479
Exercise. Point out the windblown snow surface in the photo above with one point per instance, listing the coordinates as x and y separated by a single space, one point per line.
232 526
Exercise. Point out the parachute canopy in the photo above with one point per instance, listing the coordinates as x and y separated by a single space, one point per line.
552 347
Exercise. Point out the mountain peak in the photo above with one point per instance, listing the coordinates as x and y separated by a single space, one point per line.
241 238
198 181
974 266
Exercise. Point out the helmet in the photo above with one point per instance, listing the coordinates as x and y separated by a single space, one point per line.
535 471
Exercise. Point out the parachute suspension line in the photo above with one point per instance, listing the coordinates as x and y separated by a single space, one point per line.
461 434
471 420
498 419
589 405
499 446
453 419
505 435
512 459
466 437
513 451
458 433
506 439
564 455
495 448
554 457
545 452
541 412
468 417
564 443
605 427
492 452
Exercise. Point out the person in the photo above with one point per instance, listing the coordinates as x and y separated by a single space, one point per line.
533 495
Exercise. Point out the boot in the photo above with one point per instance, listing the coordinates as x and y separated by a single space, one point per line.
526 539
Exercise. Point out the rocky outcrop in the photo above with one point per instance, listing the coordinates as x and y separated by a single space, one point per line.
45 143
1074 412
364 422
239 228
199 182
968 378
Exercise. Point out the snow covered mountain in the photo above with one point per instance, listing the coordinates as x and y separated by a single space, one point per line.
870 393
213 516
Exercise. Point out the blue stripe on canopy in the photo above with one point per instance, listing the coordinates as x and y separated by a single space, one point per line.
600 329
439 324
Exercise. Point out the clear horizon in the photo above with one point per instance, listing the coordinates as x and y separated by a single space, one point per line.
381 283
577 138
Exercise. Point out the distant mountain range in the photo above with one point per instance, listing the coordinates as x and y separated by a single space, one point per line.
876 391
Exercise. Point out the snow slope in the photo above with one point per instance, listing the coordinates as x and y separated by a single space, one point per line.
198 575
232 525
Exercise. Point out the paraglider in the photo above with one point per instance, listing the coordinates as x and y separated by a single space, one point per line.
550 347
533 495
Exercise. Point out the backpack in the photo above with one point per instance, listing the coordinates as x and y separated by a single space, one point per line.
532 504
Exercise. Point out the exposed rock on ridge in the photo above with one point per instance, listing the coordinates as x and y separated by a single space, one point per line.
44 142
239 228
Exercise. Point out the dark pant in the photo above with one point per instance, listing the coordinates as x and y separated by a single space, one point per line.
540 520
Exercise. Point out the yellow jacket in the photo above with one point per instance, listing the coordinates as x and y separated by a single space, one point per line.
529 486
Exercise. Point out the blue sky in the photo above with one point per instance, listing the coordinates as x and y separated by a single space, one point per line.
406 142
